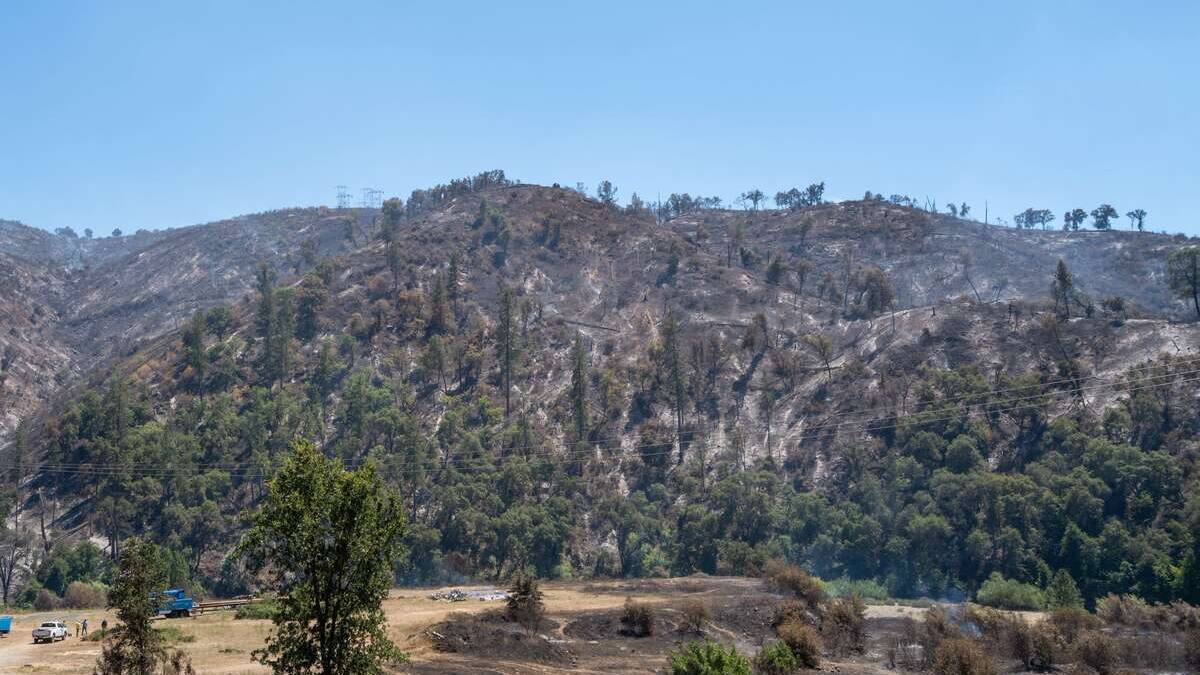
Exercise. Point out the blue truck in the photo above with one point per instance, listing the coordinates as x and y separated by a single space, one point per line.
5 625
173 603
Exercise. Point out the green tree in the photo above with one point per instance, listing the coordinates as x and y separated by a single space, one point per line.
309 302
506 336
1103 215
391 214
441 320
328 540
673 369
193 348
752 198
1063 289
1062 593
133 647
1137 218
1183 275
219 322
606 193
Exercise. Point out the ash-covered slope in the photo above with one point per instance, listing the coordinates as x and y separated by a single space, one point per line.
933 257
69 304
665 402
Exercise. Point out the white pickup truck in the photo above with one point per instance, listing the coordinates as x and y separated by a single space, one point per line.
50 631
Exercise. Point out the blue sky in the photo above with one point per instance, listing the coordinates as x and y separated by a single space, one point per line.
165 114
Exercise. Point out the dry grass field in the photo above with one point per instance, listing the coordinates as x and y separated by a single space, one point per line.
580 634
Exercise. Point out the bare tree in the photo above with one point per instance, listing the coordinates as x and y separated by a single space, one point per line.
14 554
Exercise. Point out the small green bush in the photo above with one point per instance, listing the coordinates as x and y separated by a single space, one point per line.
867 589
261 610
637 618
1009 594
708 658
803 640
776 659
174 635
961 657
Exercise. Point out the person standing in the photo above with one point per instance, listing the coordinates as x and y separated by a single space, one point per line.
85 626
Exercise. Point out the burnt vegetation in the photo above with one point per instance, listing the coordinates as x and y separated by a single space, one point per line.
561 386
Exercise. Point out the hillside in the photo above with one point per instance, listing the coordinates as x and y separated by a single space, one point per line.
851 386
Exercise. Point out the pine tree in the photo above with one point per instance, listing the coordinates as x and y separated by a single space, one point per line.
506 334
1062 288
440 320
1062 593
579 377
673 367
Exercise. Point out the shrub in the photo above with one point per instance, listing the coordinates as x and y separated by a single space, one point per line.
1032 645
637 618
695 615
263 609
938 626
81 596
804 642
867 589
708 658
791 610
1191 649
1096 650
1124 610
792 579
842 625
1012 635
46 601
525 604
776 659
1070 623
959 656
1009 594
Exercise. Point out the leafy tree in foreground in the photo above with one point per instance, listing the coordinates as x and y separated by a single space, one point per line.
1183 275
134 647
328 539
